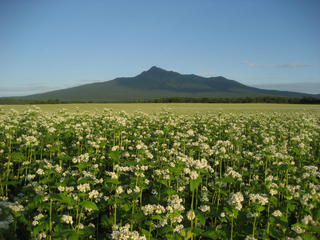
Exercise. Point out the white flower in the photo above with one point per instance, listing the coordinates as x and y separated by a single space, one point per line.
114 148
178 228
113 175
191 215
80 226
31 176
61 188
175 204
119 190
40 171
297 229
38 217
137 189
277 213
67 219
308 220
84 187
190 132
204 208
273 192
35 223
42 235
151 209
94 194
261 198
124 233
16 207
194 175
235 200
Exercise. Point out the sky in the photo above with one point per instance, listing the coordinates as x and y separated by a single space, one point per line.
54 44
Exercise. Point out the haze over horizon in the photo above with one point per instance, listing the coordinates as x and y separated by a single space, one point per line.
48 45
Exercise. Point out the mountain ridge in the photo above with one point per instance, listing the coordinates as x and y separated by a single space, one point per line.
159 83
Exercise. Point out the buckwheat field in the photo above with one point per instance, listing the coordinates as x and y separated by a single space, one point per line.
137 176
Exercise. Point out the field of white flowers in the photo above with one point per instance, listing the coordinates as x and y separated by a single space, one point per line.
143 176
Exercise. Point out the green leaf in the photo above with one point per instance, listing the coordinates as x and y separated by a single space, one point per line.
170 192
201 218
218 234
106 220
90 205
35 201
115 156
226 180
318 215
9 183
55 196
145 232
259 208
273 200
113 181
308 236
86 180
16 156
314 229
156 217
67 234
125 207
291 206
194 184
63 199
198 231
83 165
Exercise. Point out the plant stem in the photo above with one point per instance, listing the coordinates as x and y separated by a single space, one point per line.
254 226
231 237
115 215
268 223
50 219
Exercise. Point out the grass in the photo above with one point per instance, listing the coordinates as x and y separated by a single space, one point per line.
180 108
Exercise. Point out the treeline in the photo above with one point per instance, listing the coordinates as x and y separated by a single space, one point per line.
264 99
261 99
19 101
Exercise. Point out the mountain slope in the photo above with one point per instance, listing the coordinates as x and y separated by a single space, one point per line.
159 83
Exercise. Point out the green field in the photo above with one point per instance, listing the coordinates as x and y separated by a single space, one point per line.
243 171
233 171
181 108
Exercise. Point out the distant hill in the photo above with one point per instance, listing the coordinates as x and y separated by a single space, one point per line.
159 83
306 87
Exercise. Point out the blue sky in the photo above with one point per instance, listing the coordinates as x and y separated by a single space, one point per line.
47 45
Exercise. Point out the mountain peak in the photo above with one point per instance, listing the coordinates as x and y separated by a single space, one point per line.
156 69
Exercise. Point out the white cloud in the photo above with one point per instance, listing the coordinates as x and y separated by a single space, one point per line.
26 89
209 74
284 65
34 88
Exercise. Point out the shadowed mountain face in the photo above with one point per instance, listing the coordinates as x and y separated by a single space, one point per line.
158 79
159 83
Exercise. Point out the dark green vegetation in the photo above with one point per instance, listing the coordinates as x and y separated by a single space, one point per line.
158 83
264 99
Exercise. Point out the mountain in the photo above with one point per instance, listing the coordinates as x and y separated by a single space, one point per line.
159 83
306 87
